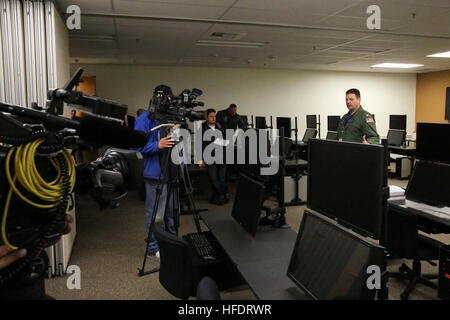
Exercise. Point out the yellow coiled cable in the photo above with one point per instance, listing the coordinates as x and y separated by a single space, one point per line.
28 176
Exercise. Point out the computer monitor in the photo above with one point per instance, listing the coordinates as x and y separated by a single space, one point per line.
332 135
286 124
247 204
333 123
245 120
331 262
260 122
311 121
396 137
348 182
430 184
309 134
433 142
397 121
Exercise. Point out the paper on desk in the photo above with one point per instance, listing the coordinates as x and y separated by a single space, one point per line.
395 191
221 142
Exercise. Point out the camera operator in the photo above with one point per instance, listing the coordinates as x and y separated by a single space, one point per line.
154 153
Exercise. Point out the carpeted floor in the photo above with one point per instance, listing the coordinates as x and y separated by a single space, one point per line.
109 248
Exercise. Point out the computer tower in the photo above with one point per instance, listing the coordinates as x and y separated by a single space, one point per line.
444 273
403 167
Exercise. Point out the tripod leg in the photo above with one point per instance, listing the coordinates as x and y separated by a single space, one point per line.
189 190
159 190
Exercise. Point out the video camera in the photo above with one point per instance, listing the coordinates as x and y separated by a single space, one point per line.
164 107
38 173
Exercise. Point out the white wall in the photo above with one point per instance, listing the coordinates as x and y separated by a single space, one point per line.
263 92
62 55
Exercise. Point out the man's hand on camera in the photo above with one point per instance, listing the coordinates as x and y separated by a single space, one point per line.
165 142
8 256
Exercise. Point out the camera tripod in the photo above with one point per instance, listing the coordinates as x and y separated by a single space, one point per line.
173 194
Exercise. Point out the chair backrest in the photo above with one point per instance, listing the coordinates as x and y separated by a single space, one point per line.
396 137
332 135
401 233
207 289
287 147
175 273
309 134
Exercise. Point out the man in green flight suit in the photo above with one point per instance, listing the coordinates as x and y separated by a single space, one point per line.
358 125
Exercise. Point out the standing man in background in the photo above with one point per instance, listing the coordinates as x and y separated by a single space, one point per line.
229 119
139 112
358 125
216 171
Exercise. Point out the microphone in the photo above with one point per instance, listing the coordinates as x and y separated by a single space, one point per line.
89 128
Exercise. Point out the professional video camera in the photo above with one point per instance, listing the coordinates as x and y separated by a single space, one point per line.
164 107
38 173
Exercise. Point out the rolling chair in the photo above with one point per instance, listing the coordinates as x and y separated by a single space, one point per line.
176 264
332 135
403 241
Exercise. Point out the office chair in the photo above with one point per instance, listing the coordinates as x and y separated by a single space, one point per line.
176 264
288 148
404 241
332 135
207 289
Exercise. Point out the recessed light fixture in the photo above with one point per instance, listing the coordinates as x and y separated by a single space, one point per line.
440 55
397 65
234 44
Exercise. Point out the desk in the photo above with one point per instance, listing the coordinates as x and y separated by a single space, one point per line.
296 164
262 260
404 151
427 222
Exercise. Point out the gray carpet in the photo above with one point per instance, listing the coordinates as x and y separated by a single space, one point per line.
109 249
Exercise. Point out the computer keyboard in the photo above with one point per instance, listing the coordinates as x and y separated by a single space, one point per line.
202 246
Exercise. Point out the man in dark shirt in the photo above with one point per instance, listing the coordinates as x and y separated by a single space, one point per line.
216 171
229 119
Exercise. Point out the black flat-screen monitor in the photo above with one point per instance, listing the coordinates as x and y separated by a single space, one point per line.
397 121
260 123
332 135
286 124
430 184
311 121
309 134
396 137
348 181
331 262
247 204
244 120
433 142
333 123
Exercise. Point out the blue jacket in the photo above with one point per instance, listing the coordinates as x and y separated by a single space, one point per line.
150 151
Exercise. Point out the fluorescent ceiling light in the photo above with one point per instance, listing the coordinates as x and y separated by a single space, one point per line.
440 55
397 65
234 44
